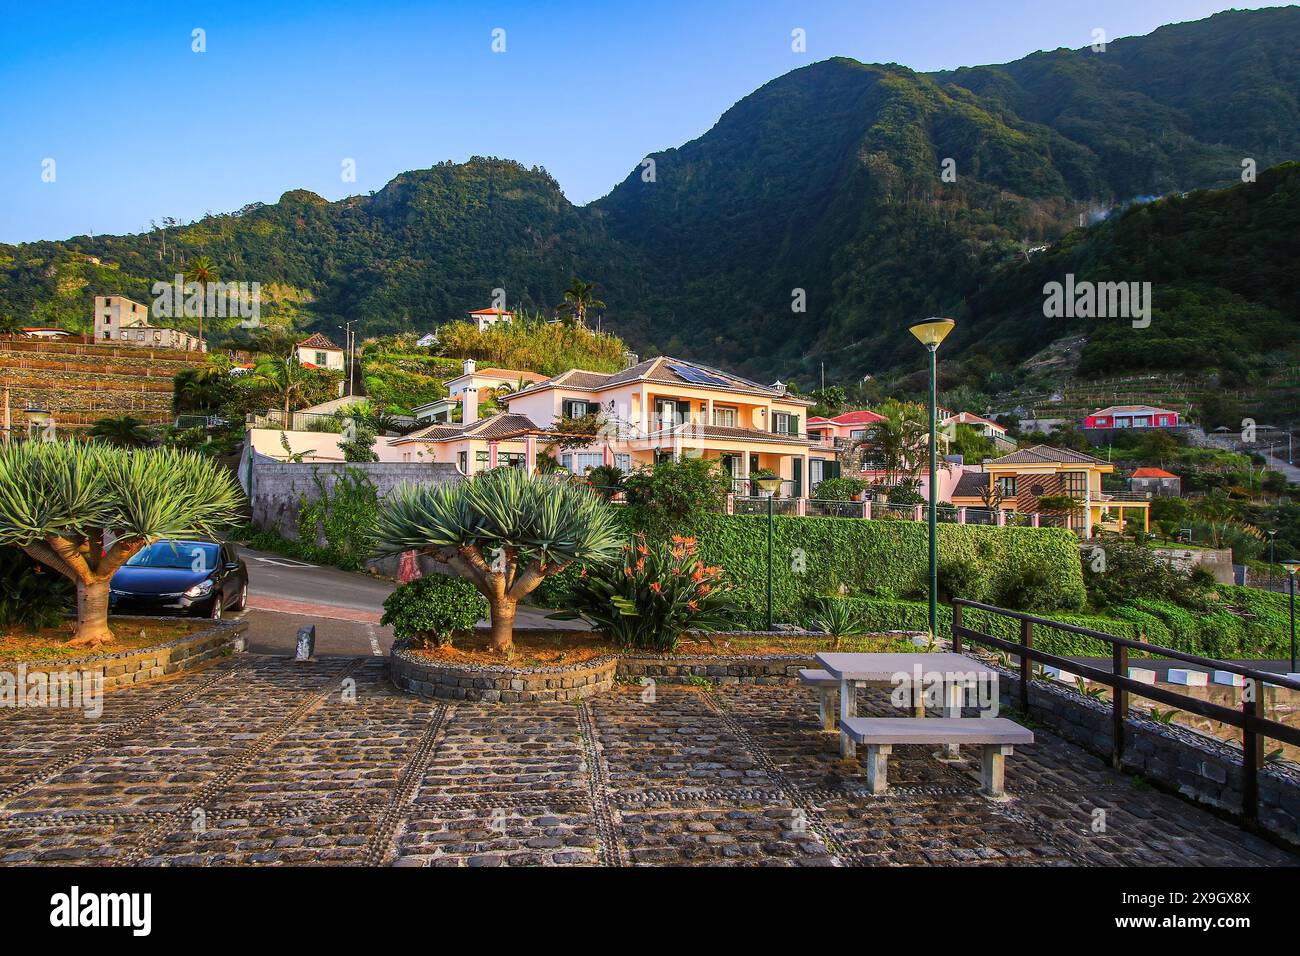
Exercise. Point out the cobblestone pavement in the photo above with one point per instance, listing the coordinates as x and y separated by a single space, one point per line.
259 760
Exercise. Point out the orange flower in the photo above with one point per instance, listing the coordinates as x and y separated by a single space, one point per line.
698 574
583 572
692 605
640 564
678 539
705 589
642 549
678 553
655 586
628 572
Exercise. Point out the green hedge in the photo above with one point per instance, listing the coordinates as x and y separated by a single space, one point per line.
1218 634
813 557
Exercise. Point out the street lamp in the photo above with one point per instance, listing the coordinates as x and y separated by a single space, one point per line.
931 333
770 484
1272 556
1291 567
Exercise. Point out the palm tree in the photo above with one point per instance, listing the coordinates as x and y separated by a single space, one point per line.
125 431
900 443
10 325
201 387
201 270
285 379
504 531
59 499
579 298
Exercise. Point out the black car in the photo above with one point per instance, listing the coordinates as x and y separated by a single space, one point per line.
201 578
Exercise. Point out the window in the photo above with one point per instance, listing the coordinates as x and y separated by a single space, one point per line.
320 359
623 462
462 459
785 424
1075 483
577 408
670 411
725 417
858 433
1007 486
580 462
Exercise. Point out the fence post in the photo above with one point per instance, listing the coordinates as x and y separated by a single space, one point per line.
961 515
1001 518
866 509
956 623
1033 520
1026 670
1252 749
1118 706
801 506
918 513
731 502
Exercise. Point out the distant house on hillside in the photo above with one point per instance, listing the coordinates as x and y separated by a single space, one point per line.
1155 482
120 321
426 340
486 318
989 429
1131 416
317 351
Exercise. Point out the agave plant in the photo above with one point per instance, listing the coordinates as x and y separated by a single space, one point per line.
838 619
59 500
503 531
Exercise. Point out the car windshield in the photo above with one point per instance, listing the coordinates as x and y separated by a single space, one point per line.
187 555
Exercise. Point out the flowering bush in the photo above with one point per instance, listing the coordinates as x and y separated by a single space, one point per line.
654 594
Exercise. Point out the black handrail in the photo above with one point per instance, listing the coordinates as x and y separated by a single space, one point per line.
1251 720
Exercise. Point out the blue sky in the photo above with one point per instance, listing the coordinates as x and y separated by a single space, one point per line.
142 127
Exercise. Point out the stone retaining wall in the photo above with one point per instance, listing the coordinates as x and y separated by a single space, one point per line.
1197 766
129 668
499 682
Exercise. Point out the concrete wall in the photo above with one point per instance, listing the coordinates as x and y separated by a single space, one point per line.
1217 561
278 487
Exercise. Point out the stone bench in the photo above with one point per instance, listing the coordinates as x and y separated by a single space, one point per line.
995 735
828 695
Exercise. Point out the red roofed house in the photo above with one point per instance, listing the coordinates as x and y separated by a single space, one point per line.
830 436
986 427
1156 483
485 318
319 352
1131 416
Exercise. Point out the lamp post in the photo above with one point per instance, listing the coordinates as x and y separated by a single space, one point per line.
1272 556
1291 567
931 333
770 485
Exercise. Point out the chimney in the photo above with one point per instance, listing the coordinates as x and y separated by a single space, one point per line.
468 367
469 406
630 359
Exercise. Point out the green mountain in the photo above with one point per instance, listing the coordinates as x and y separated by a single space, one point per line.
825 187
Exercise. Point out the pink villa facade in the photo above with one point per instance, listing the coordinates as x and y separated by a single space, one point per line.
1132 416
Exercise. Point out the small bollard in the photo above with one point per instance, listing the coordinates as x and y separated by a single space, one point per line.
306 643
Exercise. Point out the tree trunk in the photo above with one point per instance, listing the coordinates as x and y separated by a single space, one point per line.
503 624
92 614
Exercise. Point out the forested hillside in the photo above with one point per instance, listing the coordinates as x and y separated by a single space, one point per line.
825 187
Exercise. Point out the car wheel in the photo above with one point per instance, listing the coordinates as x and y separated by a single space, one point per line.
215 613
242 603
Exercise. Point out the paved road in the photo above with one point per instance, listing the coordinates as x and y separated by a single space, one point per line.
285 594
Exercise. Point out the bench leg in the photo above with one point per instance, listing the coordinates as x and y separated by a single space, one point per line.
848 708
829 705
955 694
878 767
991 774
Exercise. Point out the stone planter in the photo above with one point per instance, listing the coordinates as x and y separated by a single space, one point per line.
128 668
503 683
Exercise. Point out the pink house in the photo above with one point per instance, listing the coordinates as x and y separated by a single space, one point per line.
1131 416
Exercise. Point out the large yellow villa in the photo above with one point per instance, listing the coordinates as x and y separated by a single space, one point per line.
657 409
1019 480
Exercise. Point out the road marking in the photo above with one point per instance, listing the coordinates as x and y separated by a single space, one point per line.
285 562
374 641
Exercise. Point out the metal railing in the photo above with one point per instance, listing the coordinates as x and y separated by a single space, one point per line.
1255 727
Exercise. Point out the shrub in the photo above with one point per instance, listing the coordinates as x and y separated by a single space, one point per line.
667 498
1119 573
961 577
838 619
607 480
31 595
431 610
840 489
905 493
654 594
1030 589
343 516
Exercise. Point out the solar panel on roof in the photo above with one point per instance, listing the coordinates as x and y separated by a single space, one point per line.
696 376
